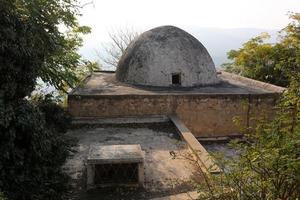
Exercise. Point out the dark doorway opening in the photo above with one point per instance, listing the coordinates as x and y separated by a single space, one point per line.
123 173
176 79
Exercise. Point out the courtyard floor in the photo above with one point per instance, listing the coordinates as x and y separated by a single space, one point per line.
168 169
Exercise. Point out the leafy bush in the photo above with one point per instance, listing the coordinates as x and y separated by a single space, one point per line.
33 143
33 149
269 62
269 158
56 118
2 197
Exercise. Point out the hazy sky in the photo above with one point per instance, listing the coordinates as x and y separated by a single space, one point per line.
267 14
107 15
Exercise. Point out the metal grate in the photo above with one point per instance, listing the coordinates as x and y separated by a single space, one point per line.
116 173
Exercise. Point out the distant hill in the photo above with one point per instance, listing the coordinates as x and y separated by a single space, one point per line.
217 41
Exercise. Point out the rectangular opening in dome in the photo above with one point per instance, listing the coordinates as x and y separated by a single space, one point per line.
176 79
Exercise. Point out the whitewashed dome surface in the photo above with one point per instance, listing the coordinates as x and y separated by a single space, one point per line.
166 56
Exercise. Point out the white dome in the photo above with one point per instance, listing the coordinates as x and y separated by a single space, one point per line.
166 56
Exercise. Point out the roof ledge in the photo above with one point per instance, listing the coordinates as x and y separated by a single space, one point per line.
231 78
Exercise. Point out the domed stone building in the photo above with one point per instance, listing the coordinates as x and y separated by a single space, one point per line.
166 56
165 94
166 71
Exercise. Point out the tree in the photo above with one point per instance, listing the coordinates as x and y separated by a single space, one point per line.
268 162
268 62
33 144
2 197
55 51
113 51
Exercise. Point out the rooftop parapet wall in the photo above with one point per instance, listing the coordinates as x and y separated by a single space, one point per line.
206 111
105 83
234 78
205 116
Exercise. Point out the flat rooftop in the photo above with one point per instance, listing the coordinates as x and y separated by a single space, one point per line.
168 169
104 83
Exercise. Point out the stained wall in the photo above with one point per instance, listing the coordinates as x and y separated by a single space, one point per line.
206 115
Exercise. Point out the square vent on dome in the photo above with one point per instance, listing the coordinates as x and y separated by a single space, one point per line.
176 79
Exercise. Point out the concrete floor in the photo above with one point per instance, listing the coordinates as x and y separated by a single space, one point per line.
165 174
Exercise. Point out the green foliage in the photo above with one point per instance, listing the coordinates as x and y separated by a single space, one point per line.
19 59
33 144
56 118
268 161
31 37
33 148
268 164
272 63
2 197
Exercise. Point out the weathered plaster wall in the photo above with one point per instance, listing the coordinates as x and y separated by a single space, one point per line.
204 115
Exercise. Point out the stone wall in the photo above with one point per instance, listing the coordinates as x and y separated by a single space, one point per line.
204 115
